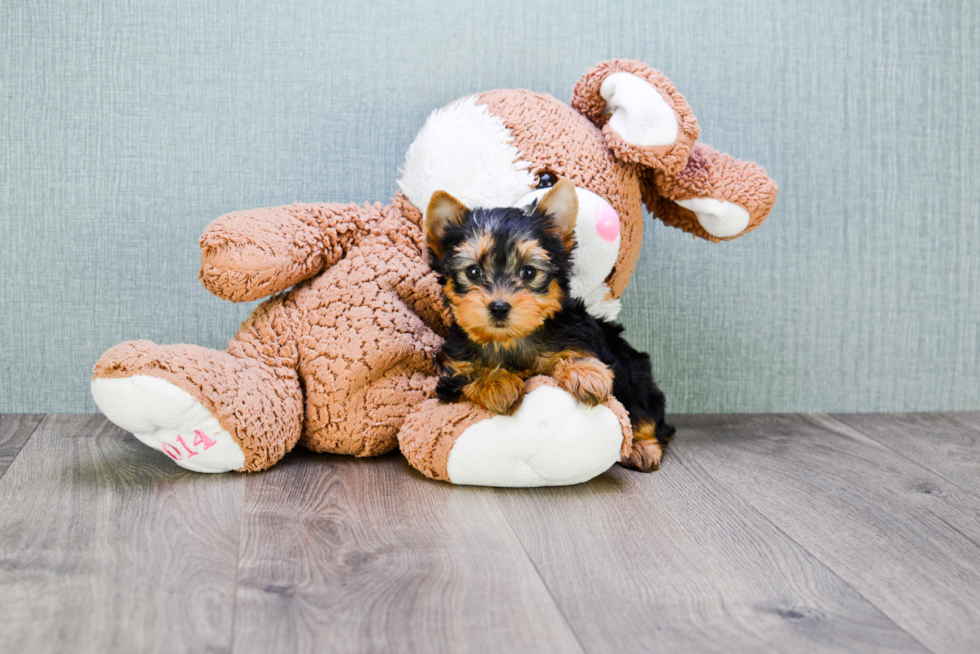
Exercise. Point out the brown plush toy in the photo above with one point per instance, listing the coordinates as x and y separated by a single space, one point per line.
343 362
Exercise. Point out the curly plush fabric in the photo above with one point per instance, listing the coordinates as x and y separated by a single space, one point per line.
242 260
341 358
355 337
257 399
715 175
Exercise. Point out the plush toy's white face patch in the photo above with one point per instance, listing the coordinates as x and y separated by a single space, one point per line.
466 151
597 248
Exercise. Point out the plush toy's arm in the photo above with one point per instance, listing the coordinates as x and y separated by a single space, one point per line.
247 255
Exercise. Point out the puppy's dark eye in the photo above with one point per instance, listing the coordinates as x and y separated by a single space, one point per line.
528 273
547 179
474 273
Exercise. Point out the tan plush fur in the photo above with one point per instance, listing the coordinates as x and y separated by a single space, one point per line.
343 361
710 174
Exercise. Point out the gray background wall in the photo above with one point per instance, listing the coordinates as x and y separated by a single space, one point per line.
125 129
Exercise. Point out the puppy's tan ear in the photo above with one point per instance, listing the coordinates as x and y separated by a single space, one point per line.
443 210
561 202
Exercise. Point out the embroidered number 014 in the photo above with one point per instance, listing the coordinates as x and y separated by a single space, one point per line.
185 451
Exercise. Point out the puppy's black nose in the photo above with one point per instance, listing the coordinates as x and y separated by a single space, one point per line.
499 309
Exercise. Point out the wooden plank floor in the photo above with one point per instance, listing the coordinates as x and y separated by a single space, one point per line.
761 533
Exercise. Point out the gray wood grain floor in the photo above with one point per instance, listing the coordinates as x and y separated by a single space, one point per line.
760 533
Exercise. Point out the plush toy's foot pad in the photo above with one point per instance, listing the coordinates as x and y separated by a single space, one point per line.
551 440
169 420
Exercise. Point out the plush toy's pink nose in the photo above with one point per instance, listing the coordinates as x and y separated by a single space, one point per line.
607 222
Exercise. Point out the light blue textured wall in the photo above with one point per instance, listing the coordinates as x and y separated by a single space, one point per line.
126 127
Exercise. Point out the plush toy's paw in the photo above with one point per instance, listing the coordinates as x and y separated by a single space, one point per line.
588 380
169 420
551 440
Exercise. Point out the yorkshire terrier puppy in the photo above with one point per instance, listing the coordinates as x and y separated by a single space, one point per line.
505 273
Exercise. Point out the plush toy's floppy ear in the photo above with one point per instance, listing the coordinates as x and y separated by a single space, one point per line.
715 196
561 203
643 117
645 121
443 210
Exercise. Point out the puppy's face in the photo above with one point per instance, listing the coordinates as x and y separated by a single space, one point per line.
501 287
504 271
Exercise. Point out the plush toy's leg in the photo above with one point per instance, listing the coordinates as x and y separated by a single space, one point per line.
714 196
365 353
551 440
208 410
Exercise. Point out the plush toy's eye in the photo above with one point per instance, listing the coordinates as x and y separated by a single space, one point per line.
474 273
528 273
547 179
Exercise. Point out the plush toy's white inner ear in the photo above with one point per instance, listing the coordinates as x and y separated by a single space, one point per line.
718 218
640 115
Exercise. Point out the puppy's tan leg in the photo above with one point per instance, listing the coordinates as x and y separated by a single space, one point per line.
647 450
499 391
589 380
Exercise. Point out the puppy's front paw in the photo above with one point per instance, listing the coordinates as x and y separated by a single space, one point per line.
647 450
645 456
589 380
500 392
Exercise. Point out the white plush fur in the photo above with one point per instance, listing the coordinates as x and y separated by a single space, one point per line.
597 304
551 440
718 218
639 113
468 152
594 256
157 413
